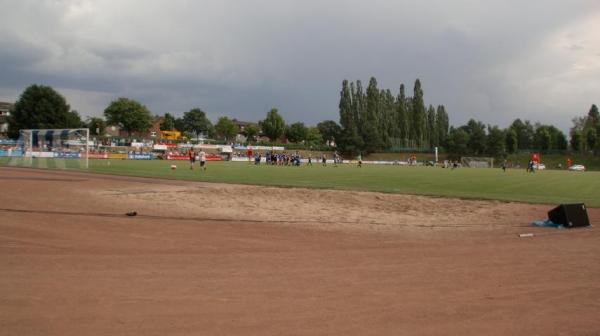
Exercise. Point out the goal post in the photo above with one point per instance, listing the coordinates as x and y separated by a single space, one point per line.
53 148
477 162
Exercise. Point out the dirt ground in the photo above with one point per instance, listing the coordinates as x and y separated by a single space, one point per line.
215 259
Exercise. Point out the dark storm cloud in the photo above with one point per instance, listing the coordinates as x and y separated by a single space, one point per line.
492 60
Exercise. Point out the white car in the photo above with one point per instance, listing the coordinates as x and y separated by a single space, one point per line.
539 166
577 168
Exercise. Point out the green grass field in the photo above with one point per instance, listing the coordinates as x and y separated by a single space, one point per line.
514 185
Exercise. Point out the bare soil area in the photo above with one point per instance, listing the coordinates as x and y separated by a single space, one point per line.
216 259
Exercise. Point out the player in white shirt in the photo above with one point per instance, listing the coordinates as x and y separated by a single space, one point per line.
202 156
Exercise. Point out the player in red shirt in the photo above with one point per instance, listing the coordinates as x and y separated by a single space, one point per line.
250 154
192 156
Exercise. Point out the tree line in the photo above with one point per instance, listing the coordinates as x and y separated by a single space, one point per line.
41 107
376 120
369 120
585 133
477 139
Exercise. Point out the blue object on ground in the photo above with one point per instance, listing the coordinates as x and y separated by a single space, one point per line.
548 223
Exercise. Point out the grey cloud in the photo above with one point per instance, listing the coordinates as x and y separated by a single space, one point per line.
242 58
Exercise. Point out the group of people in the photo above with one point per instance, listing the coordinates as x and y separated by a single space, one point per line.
280 159
453 164
295 159
337 158
200 156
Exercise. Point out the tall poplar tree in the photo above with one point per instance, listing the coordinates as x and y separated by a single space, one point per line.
387 126
360 107
411 138
371 134
350 141
402 112
442 125
419 115
431 127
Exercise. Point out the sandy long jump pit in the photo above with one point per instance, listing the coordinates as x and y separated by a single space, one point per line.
214 259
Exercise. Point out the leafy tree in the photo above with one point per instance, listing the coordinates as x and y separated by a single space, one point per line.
179 124
196 122
74 120
419 116
251 132
583 127
226 128
592 128
358 103
410 139
329 130
548 137
511 140
351 106
576 140
477 136
560 141
543 139
371 134
442 125
41 106
314 136
432 133
129 115
594 116
591 138
296 132
557 138
402 115
168 123
579 123
386 117
96 125
495 142
524 131
273 126
458 142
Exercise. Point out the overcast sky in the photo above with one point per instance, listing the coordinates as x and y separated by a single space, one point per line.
485 59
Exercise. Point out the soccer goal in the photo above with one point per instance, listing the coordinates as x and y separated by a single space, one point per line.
52 148
477 162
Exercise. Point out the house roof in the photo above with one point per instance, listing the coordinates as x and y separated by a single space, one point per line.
243 123
5 106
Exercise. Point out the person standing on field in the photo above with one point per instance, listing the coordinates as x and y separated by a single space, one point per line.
202 156
359 159
192 156
250 154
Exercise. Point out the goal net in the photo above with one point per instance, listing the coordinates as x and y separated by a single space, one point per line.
477 162
52 148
